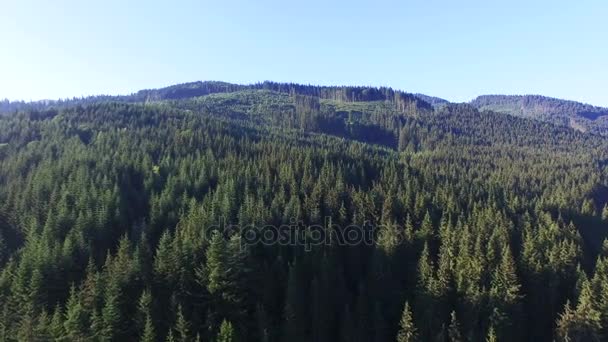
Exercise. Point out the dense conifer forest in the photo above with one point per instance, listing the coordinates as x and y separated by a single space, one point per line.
582 117
271 212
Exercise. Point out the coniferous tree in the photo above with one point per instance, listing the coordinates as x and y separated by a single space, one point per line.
454 334
148 334
182 327
226 333
505 297
604 250
605 212
110 314
79 188
41 330
56 326
582 323
407 330
75 323
491 337
170 337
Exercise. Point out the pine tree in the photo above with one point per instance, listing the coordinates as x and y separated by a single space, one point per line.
5 323
110 314
25 328
89 289
170 337
491 337
217 265
407 330
505 297
75 323
96 324
583 323
226 333
604 251
165 267
454 334
426 231
589 318
566 324
425 270
588 208
182 327
403 141
144 309
148 334
56 326
599 285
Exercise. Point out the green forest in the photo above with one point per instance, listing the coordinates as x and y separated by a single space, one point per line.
275 212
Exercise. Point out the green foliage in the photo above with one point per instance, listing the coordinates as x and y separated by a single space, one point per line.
148 334
407 330
454 334
108 207
226 333
577 115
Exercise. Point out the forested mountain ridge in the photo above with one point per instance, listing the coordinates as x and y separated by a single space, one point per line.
577 115
118 219
200 88
434 101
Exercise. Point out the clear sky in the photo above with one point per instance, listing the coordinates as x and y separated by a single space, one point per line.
455 49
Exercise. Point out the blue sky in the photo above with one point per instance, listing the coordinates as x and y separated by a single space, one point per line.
451 49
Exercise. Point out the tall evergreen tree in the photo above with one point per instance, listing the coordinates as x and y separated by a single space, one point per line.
407 330
226 333
454 334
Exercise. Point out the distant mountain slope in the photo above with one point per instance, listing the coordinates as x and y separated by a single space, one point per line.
580 116
434 101
402 100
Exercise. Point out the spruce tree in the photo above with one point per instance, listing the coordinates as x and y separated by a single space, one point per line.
182 327
605 212
110 314
56 327
491 336
407 330
148 334
75 323
454 334
226 333
582 323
